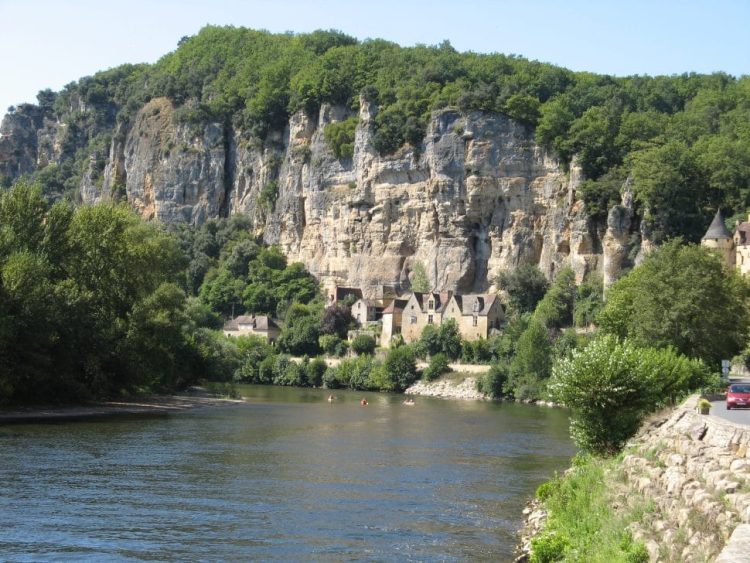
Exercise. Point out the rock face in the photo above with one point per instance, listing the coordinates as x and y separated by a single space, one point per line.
477 197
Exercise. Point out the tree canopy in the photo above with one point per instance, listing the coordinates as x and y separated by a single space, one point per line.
681 296
684 140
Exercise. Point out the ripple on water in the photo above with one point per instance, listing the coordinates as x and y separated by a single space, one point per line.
286 477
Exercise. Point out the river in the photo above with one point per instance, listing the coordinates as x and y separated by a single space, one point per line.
285 476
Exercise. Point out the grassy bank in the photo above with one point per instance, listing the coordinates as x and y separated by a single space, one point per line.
588 517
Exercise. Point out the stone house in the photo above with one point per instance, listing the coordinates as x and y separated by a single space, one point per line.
734 249
392 321
423 309
366 310
476 314
253 325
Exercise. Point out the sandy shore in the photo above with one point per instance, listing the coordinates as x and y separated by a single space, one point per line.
151 405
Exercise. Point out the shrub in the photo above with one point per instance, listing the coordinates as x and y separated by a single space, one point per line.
610 386
314 372
401 368
363 344
438 366
548 547
493 382
329 343
340 137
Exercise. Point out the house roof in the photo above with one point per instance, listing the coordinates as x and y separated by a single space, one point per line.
441 300
397 305
717 229
479 303
258 322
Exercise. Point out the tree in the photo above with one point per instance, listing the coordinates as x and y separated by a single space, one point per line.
610 386
401 367
337 320
531 365
449 339
526 286
681 296
555 310
420 283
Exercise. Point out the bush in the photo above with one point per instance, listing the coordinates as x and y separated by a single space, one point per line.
401 368
363 344
314 372
329 343
353 373
494 381
438 366
340 137
548 548
610 386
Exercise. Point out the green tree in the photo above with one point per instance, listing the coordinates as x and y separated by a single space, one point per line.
420 283
401 368
526 286
680 296
555 310
611 385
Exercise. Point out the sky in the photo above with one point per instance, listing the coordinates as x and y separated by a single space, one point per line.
49 43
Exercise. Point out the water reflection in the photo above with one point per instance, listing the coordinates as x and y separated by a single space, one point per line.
286 476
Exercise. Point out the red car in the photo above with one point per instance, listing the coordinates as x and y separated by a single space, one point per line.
738 396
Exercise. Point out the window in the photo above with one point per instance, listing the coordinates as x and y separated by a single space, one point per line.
429 319
431 304
413 319
475 321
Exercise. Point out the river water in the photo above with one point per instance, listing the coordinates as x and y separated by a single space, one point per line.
286 476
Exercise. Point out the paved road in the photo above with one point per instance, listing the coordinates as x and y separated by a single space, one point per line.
739 416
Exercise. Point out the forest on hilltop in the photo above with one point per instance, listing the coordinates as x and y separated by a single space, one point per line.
683 140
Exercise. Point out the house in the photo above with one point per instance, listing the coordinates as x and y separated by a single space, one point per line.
734 249
476 314
337 294
253 325
366 310
423 309
392 321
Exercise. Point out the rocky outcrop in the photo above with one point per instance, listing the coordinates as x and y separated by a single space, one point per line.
478 196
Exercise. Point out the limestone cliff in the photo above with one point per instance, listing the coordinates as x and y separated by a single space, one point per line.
476 197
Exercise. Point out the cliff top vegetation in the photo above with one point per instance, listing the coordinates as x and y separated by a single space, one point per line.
684 140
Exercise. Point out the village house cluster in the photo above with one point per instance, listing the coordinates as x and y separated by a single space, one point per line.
476 314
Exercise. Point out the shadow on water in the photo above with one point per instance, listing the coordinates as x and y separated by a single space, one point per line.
285 476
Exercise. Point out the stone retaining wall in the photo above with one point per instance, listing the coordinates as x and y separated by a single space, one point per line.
696 469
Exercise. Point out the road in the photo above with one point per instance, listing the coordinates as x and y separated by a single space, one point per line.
738 416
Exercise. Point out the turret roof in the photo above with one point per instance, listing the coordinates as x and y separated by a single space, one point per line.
717 229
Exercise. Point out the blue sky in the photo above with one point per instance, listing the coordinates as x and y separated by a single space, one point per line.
48 43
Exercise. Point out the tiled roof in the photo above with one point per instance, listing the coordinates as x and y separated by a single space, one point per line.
397 305
479 303
258 322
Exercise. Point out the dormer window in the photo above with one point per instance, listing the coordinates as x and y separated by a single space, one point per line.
431 304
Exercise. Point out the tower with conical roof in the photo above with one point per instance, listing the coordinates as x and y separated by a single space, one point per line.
719 238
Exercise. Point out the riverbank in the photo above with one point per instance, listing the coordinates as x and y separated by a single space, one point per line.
451 386
137 406
679 491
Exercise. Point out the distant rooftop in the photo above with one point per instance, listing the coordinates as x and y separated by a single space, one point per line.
717 229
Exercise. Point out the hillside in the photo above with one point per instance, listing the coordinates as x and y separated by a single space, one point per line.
363 159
